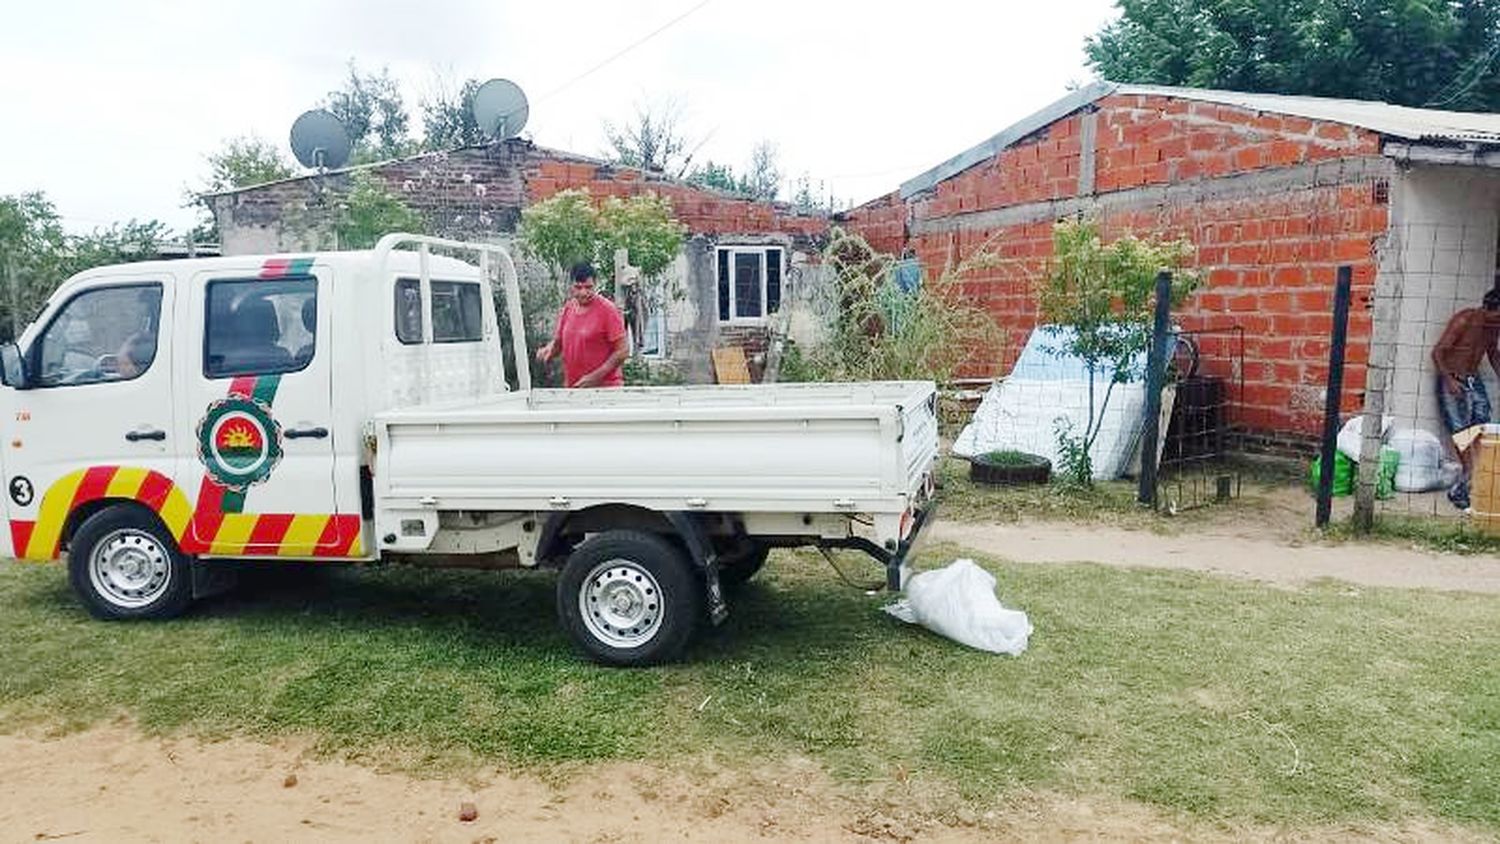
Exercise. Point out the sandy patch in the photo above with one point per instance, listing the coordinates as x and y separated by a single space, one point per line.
113 785
1254 548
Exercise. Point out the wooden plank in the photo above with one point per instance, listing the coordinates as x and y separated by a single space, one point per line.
730 366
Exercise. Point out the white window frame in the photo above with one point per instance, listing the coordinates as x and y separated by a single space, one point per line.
761 250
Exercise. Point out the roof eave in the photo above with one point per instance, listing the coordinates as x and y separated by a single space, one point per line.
1034 122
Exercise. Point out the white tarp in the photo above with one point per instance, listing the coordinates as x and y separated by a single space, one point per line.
1021 413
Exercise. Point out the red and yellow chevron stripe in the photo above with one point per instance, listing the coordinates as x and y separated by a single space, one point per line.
201 532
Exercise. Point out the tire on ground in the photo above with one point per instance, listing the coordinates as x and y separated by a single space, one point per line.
629 598
123 564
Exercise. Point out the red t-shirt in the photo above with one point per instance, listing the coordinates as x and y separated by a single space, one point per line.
589 335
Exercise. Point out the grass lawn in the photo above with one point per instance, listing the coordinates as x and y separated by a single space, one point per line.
1217 699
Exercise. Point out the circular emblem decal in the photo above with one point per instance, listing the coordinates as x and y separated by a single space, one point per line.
239 442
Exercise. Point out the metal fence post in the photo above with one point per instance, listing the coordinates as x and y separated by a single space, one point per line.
1335 393
1156 366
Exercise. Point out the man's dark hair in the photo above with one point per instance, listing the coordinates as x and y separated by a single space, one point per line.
582 271
1492 299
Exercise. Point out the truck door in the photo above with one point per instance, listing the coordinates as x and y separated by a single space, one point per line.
99 421
257 416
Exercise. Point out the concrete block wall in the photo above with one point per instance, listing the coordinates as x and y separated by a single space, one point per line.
1272 203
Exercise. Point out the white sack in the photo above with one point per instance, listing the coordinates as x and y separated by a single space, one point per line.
1424 465
958 601
1351 436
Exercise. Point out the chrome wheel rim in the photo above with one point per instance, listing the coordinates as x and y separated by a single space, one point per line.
621 603
130 568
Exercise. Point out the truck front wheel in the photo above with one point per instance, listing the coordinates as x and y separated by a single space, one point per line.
123 564
629 598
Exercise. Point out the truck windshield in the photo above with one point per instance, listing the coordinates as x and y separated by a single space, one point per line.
104 334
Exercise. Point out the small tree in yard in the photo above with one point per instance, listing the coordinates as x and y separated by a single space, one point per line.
569 227
1105 295
370 211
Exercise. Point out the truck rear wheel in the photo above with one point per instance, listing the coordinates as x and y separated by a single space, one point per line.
629 598
122 564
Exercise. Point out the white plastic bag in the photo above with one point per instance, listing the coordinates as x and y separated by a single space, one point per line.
958 601
1351 436
1424 462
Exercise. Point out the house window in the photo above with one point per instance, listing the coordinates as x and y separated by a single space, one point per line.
749 282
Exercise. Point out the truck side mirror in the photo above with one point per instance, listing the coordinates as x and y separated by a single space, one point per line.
13 368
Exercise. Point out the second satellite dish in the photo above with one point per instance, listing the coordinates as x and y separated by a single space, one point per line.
500 109
320 141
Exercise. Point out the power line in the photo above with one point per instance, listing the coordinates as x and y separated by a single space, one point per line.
638 42
1480 64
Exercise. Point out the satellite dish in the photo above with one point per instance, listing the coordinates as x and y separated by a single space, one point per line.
500 108
320 141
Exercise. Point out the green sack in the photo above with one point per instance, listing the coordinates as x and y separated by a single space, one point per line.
1385 484
1343 474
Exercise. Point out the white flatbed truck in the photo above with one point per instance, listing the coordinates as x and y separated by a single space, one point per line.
163 417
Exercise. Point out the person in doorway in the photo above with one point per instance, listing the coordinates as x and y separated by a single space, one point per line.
1471 336
590 336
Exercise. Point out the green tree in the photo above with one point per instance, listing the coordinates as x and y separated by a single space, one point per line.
562 230
761 179
32 248
651 140
36 254
370 211
713 175
1434 53
243 161
447 119
1105 294
644 227
372 110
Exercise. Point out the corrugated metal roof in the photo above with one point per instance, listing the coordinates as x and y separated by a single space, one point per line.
1411 124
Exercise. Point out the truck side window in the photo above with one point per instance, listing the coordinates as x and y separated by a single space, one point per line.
409 311
104 334
259 327
456 313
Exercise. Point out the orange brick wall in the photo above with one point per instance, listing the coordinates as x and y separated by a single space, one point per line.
1268 262
703 211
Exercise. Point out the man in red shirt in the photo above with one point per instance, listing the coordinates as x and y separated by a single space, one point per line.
590 336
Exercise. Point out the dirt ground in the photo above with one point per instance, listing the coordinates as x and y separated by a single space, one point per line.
114 785
1254 549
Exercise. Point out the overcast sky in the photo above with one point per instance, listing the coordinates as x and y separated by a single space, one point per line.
110 108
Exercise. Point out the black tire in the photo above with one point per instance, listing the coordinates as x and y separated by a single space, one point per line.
740 562
122 564
644 598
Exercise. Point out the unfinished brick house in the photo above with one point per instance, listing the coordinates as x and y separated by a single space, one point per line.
1275 192
730 275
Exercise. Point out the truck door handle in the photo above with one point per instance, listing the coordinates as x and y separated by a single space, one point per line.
299 433
148 434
